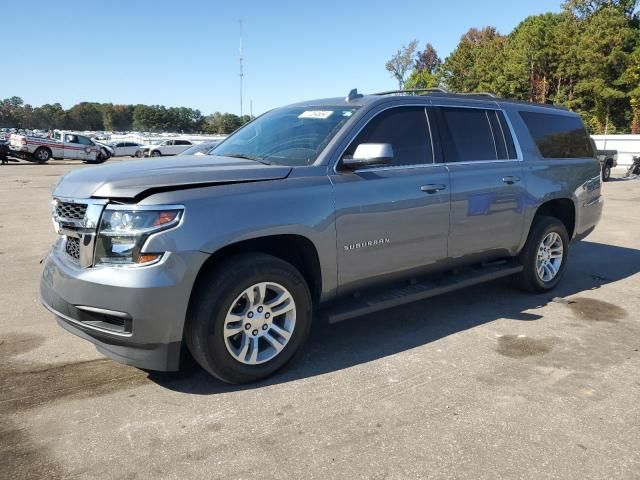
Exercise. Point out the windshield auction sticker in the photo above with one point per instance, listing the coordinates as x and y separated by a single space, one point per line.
319 114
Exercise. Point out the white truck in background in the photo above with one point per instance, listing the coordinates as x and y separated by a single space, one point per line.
61 145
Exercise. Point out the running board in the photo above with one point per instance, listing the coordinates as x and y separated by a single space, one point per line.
384 299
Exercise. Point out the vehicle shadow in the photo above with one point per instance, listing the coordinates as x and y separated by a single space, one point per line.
335 347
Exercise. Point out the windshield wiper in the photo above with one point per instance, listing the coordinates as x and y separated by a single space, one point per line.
246 156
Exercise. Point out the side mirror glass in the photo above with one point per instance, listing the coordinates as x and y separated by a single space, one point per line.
369 155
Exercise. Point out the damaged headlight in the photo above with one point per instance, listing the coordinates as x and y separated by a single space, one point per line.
123 232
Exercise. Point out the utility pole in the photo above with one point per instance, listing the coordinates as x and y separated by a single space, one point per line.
241 72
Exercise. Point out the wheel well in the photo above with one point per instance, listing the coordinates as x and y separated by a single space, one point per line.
563 209
297 250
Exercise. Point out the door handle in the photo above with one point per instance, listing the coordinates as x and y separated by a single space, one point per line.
432 187
510 180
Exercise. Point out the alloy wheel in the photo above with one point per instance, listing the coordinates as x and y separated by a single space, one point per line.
260 323
549 257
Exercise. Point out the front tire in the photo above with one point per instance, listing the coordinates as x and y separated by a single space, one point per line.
544 256
249 317
156 153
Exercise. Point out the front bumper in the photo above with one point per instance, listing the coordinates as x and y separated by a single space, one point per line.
133 315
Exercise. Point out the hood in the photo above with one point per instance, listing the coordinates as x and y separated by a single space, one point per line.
138 178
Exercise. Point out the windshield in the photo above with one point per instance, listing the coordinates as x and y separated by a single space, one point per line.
292 136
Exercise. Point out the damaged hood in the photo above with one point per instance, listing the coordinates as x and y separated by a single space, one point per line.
140 177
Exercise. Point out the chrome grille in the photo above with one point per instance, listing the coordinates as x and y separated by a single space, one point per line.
73 248
71 211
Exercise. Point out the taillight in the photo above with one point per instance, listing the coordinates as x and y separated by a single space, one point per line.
23 141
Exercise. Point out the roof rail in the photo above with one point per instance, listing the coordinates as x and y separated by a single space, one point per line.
421 91
414 91
478 94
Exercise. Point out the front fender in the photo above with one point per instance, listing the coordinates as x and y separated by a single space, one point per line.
219 216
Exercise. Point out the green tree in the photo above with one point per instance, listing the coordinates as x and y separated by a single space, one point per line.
476 63
631 79
118 117
586 8
604 54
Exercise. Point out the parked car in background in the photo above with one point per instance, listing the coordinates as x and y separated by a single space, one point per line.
125 149
608 159
164 148
203 148
334 208
61 145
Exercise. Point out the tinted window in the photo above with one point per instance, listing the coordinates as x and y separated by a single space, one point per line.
468 135
405 128
84 141
182 142
558 136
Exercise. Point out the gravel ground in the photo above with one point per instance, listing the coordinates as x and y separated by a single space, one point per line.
487 382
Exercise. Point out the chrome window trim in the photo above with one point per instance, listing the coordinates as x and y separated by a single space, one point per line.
504 137
424 105
493 135
398 167
433 150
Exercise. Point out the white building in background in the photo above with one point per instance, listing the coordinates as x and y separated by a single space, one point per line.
626 145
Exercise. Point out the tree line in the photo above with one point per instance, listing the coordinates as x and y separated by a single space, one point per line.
93 116
586 58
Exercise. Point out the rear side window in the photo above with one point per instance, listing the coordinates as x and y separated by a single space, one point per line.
405 128
558 136
474 134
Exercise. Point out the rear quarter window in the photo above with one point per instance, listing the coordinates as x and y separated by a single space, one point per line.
558 136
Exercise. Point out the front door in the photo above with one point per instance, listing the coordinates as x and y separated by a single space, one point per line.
71 146
391 219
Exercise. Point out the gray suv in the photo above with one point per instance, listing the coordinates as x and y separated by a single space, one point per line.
324 209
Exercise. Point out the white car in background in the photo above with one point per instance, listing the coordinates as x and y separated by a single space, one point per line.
166 147
125 149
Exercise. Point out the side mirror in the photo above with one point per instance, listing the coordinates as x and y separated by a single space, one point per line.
370 155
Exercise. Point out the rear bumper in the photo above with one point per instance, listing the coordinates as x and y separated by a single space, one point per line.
132 315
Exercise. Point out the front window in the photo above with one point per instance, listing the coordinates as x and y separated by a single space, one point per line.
292 136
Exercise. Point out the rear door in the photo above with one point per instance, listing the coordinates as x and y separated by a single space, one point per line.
391 219
487 181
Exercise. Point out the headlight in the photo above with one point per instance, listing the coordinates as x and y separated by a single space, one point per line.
123 232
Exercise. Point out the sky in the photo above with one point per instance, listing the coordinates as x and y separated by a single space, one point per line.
185 53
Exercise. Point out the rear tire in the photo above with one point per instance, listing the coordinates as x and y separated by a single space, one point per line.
547 243
236 312
42 155
606 173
